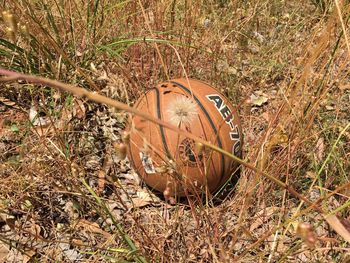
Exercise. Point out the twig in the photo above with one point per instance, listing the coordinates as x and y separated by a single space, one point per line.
80 92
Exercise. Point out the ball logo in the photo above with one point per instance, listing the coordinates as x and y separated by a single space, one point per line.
228 117
188 154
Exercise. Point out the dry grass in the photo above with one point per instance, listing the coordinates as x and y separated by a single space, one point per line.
65 194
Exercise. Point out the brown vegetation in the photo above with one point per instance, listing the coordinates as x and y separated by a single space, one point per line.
66 195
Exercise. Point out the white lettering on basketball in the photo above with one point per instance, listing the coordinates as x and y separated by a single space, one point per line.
228 117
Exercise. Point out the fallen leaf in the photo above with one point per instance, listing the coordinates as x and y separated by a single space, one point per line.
101 181
9 103
79 108
259 37
35 119
266 116
4 250
104 76
258 100
329 107
71 210
131 177
92 227
143 198
310 174
44 131
71 254
319 149
28 255
263 216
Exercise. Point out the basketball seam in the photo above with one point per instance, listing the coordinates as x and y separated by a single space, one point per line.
211 124
159 114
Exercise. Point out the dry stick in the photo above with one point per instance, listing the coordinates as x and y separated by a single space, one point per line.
80 92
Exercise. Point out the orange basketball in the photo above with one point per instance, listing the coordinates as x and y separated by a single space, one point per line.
169 162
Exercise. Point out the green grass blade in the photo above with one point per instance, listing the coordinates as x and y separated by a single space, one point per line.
125 237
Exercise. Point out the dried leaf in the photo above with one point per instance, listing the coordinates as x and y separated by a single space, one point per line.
263 216
71 254
330 107
310 174
33 229
57 95
104 170
70 209
79 109
143 199
92 227
131 177
66 116
28 255
9 103
266 116
258 100
104 76
35 119
4 251
101 181
319 149
259 37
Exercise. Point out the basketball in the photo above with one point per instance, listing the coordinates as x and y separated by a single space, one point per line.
176 165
